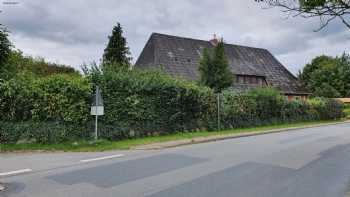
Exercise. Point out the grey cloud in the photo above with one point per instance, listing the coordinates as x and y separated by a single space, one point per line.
74 32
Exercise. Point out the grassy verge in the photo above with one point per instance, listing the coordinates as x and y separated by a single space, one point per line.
347 111
85 146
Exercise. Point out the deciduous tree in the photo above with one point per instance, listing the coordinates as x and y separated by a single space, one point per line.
326 10
328 76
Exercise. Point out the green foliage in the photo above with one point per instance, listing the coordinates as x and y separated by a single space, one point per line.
269 102
151 101
117 52
239 110
38 66
347 110
266 106
62 98
55 98
55 108
326 10
214 69
327 109
5 50
40 132
327 76
326 90
16 98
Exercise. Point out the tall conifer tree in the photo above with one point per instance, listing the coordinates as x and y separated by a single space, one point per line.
214 68
117 52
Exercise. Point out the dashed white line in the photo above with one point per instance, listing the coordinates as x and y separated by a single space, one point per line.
101 158
15 172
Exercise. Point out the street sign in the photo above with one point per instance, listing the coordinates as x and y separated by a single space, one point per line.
97 108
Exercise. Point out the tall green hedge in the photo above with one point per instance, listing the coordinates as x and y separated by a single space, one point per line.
46 110
55 108
264 106
152 102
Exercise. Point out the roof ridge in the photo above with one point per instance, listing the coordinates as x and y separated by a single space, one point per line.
207 41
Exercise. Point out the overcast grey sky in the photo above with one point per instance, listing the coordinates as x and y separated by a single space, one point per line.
73 32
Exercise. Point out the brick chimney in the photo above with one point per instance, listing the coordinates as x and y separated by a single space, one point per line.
214 41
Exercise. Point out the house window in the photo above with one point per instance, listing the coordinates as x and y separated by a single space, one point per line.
241 79
254 80
251 80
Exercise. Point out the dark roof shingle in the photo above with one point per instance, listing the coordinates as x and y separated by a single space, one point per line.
181 56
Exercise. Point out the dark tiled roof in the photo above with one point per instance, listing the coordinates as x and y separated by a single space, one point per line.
181 56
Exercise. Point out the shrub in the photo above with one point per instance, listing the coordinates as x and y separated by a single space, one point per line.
17 96
297 110
269 102
55 109
239 110
41 132
150 101
62 98
327 109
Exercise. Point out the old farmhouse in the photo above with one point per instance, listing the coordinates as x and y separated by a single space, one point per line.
252 67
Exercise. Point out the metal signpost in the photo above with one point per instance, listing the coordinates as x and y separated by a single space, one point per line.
97 108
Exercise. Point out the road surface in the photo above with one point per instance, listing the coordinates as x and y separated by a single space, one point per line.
312 162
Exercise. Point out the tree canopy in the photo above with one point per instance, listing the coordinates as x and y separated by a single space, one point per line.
117 52
214 68
328 76
326 10
5 50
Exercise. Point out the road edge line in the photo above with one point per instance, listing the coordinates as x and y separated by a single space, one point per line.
15 172
102 158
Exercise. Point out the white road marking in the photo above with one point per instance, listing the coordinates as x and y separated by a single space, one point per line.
15 172
101 158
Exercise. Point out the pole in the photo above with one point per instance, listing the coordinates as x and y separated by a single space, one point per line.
96 136
218 98
96 118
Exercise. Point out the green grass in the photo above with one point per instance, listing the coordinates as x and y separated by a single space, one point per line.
103 145
347 111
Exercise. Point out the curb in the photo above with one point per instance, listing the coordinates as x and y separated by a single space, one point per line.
171 144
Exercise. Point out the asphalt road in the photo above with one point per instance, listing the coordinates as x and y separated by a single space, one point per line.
308 162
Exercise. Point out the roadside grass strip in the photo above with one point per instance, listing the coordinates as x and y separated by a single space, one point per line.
105 145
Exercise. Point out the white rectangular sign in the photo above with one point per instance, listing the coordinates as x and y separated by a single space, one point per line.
97 110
